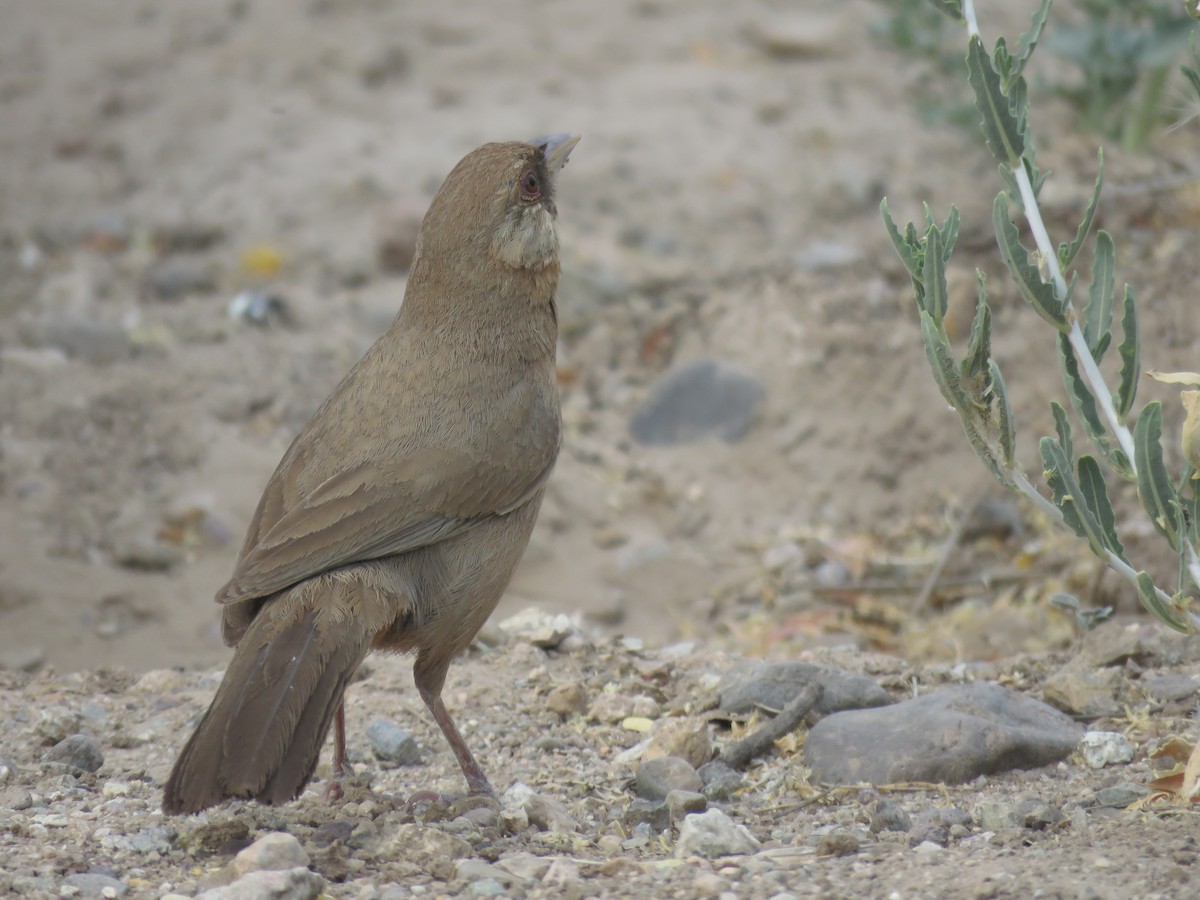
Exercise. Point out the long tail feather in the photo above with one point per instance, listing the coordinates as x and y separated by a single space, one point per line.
263 733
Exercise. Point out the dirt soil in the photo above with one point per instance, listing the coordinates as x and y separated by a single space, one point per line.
159 161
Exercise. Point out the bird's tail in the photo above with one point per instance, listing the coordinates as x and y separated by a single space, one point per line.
263 733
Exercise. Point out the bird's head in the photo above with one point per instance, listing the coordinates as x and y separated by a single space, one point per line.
497 207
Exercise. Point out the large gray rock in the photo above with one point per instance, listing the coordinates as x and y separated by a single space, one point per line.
703 399
774 685
950 736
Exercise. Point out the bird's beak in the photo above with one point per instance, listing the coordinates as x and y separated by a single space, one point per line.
557 148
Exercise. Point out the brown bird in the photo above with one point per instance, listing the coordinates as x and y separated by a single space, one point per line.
397 516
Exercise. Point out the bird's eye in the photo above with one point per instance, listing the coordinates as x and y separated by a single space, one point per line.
531 185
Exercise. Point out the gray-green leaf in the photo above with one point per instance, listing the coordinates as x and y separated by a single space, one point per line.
1154 484
1062 425
1097 315
1086 407
1131 367
1036 292
1095 495
1001 128
908 253
933 277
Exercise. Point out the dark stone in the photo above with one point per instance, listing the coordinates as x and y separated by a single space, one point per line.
774 685
699 400
658 777
888 816
1168 688
1121 794
654 813
78 750
1115 642
950 736
682 804
720 781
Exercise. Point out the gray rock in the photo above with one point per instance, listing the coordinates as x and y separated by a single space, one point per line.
1117 641
1171 687
1105 748
567 699
711 834
1081 689
282 884
486 887
547 814
172 279
151 840
272 852
685 803
839 842
658 777
392 744
950 736
82 338
56 723
542 629
1031 813
703 399
653 813
774 685
431 850
1121 794
477 869
78 750
145 553
888 816
720 781
683 736
93 884
997 816
1037 815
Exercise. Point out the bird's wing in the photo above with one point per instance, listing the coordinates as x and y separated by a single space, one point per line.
376 510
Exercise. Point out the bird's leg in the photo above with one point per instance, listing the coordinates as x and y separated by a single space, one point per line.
340 766
429 681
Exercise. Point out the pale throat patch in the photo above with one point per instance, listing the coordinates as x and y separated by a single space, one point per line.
527 239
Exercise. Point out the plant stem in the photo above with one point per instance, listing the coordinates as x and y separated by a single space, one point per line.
969 15
1087 363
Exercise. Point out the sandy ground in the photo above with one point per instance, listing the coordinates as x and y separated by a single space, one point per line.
156 161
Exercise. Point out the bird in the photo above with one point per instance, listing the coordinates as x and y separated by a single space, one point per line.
395 519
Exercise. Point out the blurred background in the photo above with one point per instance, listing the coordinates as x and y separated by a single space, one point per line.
207 212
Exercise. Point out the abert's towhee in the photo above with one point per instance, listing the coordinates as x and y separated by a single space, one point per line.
397 516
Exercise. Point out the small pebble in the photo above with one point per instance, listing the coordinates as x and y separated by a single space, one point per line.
839 842
685 803
712 834
392 744
1121 795
1105 748
654 813
274 851
656 778
720 781
567 699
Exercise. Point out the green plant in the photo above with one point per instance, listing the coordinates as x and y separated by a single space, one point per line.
1121 54
1124 53
1048 280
